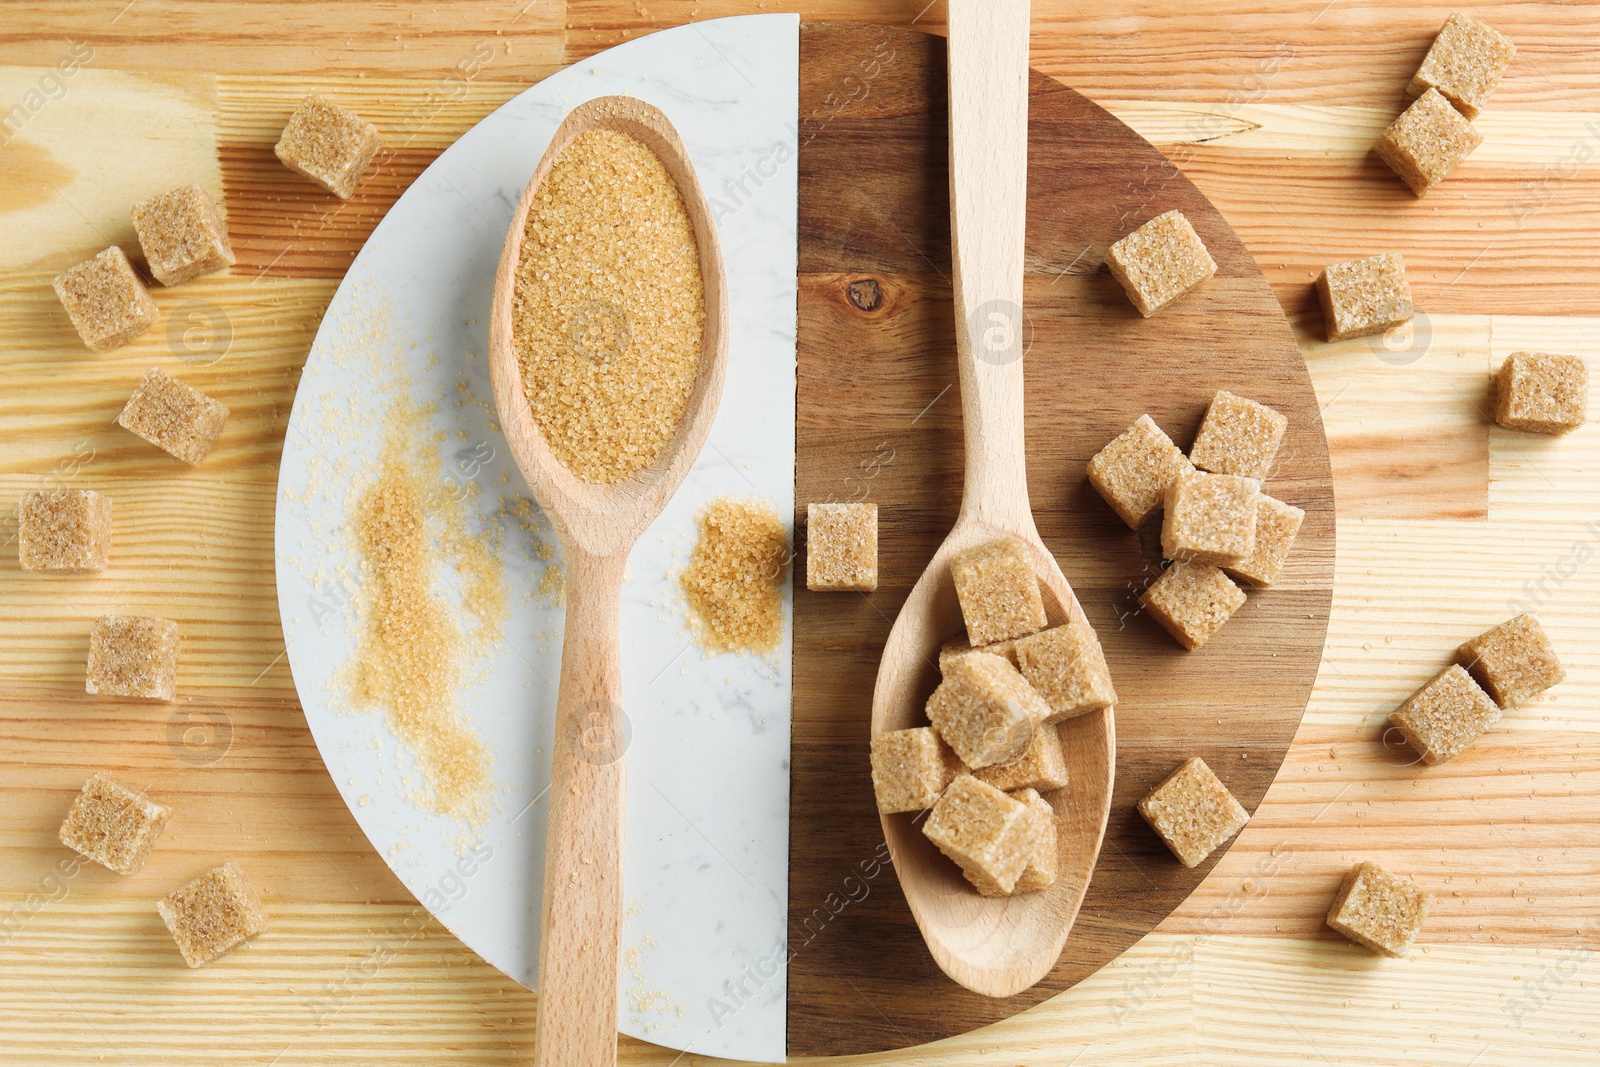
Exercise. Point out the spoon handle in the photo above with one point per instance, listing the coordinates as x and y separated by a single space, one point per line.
582 910
988 52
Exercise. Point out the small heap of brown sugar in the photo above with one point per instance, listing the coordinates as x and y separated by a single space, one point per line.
734 579
609 308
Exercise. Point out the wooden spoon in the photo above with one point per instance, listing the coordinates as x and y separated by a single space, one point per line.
598 525
993 946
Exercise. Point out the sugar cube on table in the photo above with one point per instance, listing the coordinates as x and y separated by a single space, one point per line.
998 591
1133 471
910 768
1513 661
64 531
842 547
1042 765
176 418
1442 718
1238 436
106 300
989 835
113 824
214 914
1277 525
182 235
1427 142
132 656
1067 667
1541 392
329 144
1365 296
1193 812
1378 910
1210 518
1465 63
1191 601
985 711
1044 850
960 646
1160 261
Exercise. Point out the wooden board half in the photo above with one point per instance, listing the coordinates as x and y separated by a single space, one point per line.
879 420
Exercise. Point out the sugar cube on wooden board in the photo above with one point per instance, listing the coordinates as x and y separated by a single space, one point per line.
214 914
182 235
106 300
1540 392
1193 812
132 656
1042 765
1238 436
64 531
1445 716
1067 667
329 144
1160 261
176 418
1133 471
1512 662
1427 142
1277 525
1379 910
989 835
985 710
113 824
1191 601
998 591
1361 297
1210 518
842 547
910 768
1464 63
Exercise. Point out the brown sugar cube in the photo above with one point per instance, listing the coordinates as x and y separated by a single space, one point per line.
1238 436
1465 63
842 547
113 824
329 144
1133 471
989 835
1160 261
174 417
1192 601
1277 525
1044 852
1067 667
213 915
1513 661
1041 766
985 711
1365 296
106 301
1427 142
1193 812
910 768
1378 910
1210 518
959 646
132 656
64 531
1541 393
998 591
1442 718
182 235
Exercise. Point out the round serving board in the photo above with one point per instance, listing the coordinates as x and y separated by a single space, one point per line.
878 419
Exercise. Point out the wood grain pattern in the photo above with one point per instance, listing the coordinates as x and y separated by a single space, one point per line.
1242 972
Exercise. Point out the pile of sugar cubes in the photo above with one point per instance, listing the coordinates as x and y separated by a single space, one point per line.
983 767
1216 521
64 531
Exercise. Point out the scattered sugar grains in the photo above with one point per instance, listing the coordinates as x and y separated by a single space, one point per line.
734 580
412 644
609 308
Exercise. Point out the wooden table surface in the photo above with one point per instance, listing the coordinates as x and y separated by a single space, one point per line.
1445 526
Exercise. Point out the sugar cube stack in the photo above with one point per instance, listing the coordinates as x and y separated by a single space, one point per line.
182 235
329 144
1378 910
113 824
842 547
998 591
988 834
106 300
213 915
1540 392
1427 142
985 710
1361 297
1160 261
1133 471
1042 765
132 656
1464 63
1512 662
1193 812
1191 601
1210 518
910 768
176 418
1277 525
1444 717
64 531
1067 667
1238 436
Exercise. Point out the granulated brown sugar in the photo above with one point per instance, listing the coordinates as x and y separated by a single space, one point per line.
734 579
609 308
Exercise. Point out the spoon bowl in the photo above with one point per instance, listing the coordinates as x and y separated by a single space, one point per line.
581 909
